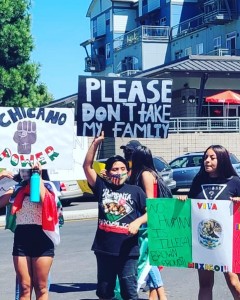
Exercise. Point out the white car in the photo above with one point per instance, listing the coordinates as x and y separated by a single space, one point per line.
69 190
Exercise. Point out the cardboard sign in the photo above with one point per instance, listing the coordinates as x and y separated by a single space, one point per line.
30 135
123 107
199 234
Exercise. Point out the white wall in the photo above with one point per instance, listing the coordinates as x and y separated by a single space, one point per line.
153 54
178 144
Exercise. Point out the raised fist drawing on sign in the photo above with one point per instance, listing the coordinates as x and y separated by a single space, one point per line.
25 136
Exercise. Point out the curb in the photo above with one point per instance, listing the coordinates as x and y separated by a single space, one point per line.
69 215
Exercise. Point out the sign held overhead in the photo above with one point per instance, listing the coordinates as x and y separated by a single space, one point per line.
123 107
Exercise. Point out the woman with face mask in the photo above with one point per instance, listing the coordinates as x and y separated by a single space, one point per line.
121 213
34 235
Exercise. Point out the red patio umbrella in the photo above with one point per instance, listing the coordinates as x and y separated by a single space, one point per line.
229 97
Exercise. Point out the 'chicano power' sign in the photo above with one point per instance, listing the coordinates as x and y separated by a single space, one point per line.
123 107
199 234
31 135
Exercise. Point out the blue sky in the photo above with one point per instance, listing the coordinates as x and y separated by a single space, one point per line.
58 28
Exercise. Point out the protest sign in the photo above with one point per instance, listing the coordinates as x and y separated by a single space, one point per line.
5 184
198 234
80 147
123 107
30 135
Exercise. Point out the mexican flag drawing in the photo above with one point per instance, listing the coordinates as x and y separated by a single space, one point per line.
199 234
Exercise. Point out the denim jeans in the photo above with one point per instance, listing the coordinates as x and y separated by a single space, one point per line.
154 279
108 268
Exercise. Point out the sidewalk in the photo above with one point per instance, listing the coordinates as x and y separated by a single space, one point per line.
69 215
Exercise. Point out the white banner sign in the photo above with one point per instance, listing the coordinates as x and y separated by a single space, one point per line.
30 135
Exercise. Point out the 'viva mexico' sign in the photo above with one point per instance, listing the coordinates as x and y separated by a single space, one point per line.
123 107
199 234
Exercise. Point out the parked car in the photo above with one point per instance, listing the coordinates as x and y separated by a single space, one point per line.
164 169
185 168
161 166
69 190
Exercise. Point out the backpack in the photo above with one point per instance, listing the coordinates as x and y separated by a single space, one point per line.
162 190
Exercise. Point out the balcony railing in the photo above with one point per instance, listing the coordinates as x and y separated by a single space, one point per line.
95 63
188 26
129 73
224 52
204 124
140 34
216 12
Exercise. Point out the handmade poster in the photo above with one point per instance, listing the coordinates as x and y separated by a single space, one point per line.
124 107
30 135
199 234
5 184
80 147
169 232
212 233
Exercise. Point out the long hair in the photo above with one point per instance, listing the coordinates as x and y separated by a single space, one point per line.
142 160
224 165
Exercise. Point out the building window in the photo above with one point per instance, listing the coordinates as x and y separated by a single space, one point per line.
178 54
231 43
107 18
145 3
144 6
135 63
199 49
108 52
217 42
129 63
163 21
188 51
94 26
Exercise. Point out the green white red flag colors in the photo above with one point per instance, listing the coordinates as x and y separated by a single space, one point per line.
200 234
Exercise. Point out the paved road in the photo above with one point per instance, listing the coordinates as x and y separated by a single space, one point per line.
73 274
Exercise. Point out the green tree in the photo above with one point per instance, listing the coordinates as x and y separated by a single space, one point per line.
19 77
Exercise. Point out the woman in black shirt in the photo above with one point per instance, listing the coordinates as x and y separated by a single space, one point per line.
216 180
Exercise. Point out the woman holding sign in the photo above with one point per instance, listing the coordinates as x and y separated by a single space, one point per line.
121 211
35 233
216 180
145 175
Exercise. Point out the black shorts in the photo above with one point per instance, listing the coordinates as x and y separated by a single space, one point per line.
30 240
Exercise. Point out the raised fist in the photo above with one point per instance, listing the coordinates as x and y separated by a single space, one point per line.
25 136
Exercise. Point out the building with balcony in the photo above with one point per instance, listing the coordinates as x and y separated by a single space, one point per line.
194 42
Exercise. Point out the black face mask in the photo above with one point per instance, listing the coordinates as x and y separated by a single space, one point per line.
128 154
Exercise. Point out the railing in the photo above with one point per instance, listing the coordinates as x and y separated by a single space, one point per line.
188 26
95 63
204 124
129 73
216 11
224 52
140 34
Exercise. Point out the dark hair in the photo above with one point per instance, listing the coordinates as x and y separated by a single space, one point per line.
45 175
113 159
224 165
142 160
